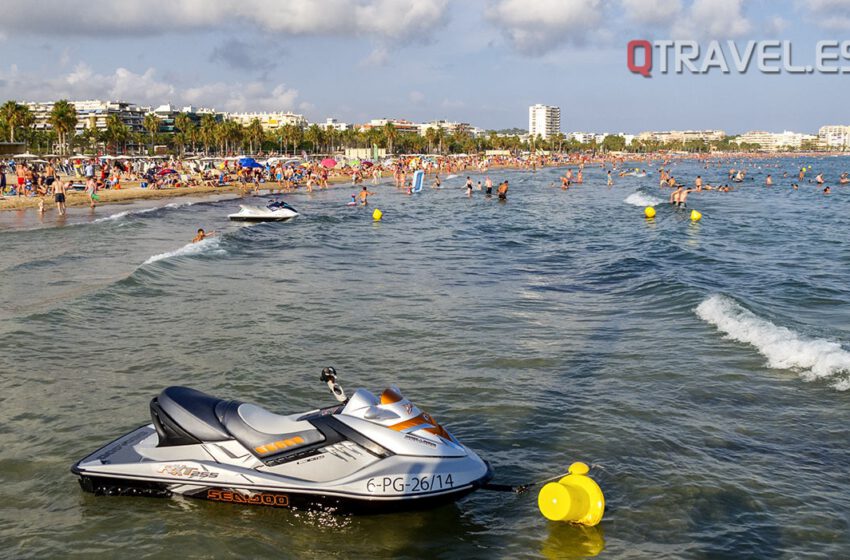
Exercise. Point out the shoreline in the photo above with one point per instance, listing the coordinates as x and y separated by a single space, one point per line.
132 191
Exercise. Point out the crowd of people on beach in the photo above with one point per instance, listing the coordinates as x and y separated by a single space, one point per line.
57 177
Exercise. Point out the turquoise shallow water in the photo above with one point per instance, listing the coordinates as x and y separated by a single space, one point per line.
702 369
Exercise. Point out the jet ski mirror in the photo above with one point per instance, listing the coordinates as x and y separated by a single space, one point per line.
329 377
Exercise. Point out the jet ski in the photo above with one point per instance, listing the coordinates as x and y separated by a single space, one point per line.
272 212
367 453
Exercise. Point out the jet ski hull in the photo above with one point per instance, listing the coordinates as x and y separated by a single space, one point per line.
255 214
389 485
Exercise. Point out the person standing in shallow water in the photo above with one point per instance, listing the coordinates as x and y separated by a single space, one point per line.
364 196
59 196
502 191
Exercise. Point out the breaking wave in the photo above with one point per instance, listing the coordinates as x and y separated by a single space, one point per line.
812 358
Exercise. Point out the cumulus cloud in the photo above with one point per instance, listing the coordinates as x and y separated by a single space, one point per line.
716 19
537 27
145 88
653 12
404 20
829 14
247 57
379 56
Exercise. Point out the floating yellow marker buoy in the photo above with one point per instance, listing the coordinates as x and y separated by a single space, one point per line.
576 498
695 216
649 212
376 215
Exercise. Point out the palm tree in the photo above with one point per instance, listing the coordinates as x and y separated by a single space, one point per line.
15 115
431 137
390 133
207 132
291 134
151 124
116 131
63 119
331 137
313 134
184 125
234 133
254 133
439 137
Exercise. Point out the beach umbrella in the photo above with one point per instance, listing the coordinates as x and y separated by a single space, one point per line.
366 164
27 155
330 163
247 162
166 171
354 162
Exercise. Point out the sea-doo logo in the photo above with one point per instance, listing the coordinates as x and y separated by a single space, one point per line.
187 472
277 500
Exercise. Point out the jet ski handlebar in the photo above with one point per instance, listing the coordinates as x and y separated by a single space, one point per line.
329 376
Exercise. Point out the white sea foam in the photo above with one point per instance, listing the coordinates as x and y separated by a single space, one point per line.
450 177
210 245
642 199
813 358
125 213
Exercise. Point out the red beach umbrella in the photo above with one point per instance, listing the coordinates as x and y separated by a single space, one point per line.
330 163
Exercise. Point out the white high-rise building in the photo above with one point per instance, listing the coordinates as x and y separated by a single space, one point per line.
544 120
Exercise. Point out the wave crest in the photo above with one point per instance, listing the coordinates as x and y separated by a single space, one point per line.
642 199
210 245
784 349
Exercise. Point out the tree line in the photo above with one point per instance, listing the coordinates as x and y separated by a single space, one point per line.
226 137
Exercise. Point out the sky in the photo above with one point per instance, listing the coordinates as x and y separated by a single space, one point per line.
477 61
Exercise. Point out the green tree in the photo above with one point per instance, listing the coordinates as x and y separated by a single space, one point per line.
431 138
116 133
313 134
390 133
184 125
254 133
151 124
207 132
15 116
613 143
63 119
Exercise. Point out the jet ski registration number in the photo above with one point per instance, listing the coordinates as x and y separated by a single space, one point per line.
424 483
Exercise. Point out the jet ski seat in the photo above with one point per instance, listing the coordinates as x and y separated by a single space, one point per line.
265 433
184 416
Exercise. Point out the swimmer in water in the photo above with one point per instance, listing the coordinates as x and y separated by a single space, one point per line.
353 198
819 178
769 181
826 190
202 235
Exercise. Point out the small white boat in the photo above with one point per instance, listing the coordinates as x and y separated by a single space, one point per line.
273 212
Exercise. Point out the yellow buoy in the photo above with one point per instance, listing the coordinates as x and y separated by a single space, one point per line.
576 498
376 215
695 216
649 212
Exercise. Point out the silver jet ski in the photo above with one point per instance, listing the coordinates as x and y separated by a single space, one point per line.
272 212
367 454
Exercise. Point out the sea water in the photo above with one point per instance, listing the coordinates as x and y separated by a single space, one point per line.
701 369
